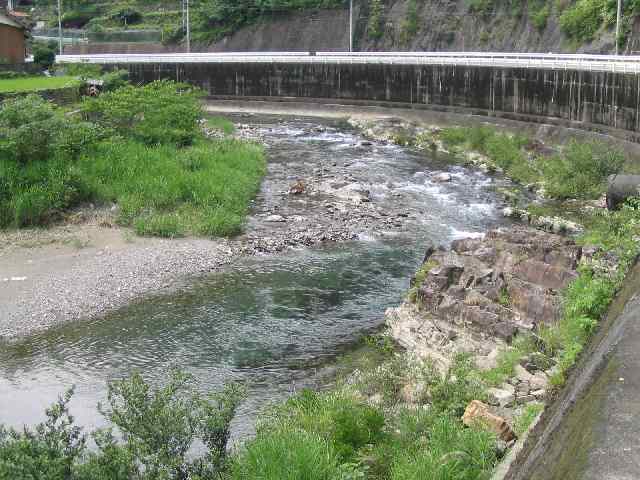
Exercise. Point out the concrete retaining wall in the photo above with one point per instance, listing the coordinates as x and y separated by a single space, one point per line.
590 98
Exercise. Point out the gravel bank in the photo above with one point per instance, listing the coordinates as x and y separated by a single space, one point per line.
90 267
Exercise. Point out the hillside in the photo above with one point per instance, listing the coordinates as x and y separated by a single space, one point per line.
460 25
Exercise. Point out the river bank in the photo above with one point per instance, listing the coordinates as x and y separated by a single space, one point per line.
278 312
92 266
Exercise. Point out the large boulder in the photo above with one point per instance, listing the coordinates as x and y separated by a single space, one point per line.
620 188
508 281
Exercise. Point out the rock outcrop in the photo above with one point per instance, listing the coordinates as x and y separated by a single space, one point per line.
480 292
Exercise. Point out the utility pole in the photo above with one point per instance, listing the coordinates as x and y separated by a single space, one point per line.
186 24
60 46
618 24
351 25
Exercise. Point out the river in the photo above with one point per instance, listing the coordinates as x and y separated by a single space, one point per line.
276 321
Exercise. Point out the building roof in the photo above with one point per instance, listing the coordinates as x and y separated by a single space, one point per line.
6 19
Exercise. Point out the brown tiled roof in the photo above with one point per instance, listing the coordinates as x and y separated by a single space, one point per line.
7 19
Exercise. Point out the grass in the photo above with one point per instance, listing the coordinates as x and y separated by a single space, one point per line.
139 147
349 438
579 171
34 84
526 417
169 192
220 123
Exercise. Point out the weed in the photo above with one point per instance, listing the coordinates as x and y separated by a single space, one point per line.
222 124
526 417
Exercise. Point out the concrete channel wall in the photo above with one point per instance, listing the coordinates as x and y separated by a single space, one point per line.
582 99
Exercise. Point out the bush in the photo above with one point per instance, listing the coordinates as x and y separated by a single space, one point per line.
374 25
157 427
44 54
582 170
49 452
583 20
34 130
539 16
161 112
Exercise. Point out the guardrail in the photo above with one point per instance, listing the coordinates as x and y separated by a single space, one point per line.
550 61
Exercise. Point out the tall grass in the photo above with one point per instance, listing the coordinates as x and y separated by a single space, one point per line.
141 148
286 454
453 452
204 189
580 170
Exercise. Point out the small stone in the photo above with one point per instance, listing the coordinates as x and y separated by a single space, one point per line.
442 177
500 398
539 394
275 219
477 411
539 381
522 374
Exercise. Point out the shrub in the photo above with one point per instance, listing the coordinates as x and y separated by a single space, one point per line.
126 14
582 169
374 25
582 20
156 429
539 16
34 130
159 426
44 54
48 452
161 112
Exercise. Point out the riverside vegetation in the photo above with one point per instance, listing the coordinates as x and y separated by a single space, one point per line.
363 428
139 148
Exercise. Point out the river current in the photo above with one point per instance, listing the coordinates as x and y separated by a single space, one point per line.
273 321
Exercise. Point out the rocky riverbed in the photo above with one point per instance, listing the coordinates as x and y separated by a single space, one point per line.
323 185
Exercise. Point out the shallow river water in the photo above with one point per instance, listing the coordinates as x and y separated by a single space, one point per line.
273 321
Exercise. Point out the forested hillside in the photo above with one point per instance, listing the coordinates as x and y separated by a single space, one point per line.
518 25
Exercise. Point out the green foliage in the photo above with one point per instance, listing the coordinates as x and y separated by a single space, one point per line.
453 452
410 25
50 162
539 14
204 189
582 20
161 112
526 417
34 130
374 25
287 455
419 278
345 423
36 83
126 13
451 393
582 170
480 7
48 452
44 54
215 19
220 123
156 428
